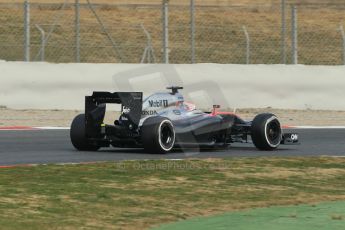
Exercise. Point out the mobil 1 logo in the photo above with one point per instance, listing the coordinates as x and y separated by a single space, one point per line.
158 103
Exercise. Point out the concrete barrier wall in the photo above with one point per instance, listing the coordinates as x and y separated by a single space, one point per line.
63 86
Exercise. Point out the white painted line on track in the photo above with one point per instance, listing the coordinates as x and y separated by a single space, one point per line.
31 128
285 127
315 127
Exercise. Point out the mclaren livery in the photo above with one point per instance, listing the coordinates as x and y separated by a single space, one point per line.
164 121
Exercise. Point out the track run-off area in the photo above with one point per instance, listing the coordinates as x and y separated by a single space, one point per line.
49 145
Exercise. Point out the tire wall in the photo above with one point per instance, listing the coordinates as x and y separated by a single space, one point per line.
63 86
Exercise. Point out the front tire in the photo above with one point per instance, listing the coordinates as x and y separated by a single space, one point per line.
78 135
266 132
158 135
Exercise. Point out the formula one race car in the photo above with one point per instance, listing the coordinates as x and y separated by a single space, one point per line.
164 121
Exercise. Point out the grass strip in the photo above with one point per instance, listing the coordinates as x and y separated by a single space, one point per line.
307 217
143 194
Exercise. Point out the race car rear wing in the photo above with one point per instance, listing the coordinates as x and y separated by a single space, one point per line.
95 107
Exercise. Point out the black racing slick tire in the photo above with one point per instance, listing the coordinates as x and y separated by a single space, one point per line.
78 137
158 135
266 132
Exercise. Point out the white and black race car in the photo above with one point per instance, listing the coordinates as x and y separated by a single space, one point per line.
164 121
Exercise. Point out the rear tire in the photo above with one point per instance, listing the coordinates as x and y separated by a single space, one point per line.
266 131
158 135
78 135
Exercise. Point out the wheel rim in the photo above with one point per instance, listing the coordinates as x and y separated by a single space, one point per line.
273 132
166 135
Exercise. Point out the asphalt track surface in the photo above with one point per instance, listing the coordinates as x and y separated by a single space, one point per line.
53 146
